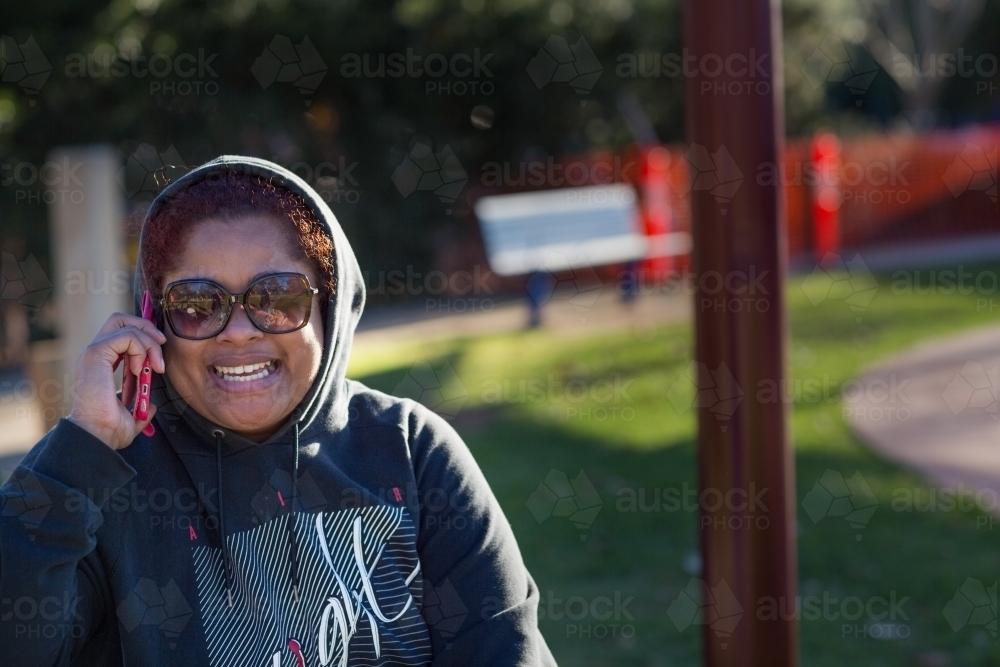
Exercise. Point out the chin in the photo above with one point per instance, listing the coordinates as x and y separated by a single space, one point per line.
237 421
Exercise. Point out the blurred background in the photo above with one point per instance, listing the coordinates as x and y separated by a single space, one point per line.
555 332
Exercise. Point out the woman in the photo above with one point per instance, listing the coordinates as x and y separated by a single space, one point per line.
280 514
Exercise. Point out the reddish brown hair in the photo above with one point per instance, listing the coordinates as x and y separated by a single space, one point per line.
229 196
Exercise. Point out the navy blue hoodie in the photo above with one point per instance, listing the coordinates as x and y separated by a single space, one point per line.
361 533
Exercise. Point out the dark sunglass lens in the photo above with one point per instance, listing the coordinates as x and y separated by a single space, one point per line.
196 310
279 304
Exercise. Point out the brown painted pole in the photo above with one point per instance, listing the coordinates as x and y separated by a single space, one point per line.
735 126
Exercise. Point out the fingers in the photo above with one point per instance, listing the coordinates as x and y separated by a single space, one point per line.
136 344
121 321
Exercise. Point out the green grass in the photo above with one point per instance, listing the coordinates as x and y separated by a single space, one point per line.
642 441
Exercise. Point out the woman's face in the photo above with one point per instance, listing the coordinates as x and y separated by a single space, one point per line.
233 254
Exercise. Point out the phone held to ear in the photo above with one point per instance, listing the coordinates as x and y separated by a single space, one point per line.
136 390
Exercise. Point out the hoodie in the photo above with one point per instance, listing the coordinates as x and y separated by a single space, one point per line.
361 533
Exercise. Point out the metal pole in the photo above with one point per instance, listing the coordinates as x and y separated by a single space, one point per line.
735 125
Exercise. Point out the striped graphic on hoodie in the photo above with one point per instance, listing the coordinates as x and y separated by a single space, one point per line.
360 593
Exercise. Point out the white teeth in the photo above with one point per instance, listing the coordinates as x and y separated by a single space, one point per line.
240 373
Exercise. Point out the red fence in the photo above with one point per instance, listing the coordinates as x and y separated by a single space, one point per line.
867 190
881 188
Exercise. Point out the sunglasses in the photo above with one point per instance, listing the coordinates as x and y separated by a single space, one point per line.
278 303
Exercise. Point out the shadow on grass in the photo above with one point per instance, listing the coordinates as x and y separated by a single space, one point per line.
948 295
642 547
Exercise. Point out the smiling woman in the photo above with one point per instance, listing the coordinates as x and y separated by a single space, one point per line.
212 359
319 535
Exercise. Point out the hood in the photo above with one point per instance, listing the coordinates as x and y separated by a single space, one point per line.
324 407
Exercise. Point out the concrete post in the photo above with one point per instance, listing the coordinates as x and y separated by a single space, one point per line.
90 281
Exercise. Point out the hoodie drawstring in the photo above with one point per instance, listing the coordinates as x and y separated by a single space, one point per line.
226 560
293 543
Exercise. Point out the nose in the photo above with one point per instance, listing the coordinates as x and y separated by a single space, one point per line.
239 330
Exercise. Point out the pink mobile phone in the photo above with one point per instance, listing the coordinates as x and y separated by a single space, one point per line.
137 389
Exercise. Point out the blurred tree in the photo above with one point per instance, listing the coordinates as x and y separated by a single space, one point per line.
316 85
919 44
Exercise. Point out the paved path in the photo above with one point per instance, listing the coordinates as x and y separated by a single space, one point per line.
943 420
568 313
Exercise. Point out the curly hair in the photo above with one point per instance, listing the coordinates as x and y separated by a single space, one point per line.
230 196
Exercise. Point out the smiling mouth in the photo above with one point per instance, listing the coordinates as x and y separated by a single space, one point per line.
246 373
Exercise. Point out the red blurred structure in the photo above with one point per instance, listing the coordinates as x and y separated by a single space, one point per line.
657 208
826 200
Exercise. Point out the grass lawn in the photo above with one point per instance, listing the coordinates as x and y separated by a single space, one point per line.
532 402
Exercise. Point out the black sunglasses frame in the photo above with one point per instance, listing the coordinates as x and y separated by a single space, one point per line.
233 299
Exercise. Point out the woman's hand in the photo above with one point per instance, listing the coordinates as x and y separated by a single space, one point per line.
96 407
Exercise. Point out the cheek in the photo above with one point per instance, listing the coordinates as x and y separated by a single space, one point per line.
182 359
307 352
315 332
314 344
